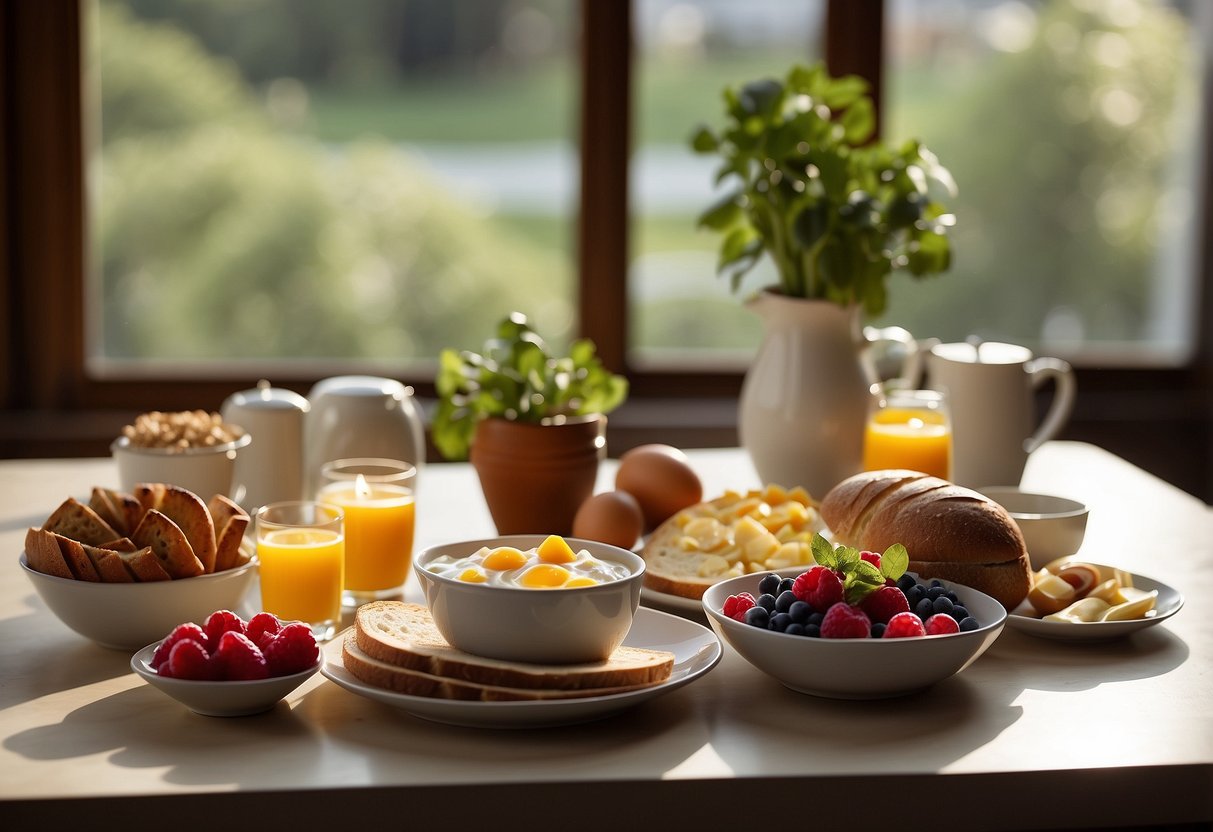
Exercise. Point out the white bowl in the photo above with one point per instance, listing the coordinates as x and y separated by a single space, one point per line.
1052 527
128 616
871 668
545 626
222 698
205 471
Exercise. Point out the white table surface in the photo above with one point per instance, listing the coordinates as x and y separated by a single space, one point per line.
1034 735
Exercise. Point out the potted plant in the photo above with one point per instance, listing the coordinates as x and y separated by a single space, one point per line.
838 213
532 423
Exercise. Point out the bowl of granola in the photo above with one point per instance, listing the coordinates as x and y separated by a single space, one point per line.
193 449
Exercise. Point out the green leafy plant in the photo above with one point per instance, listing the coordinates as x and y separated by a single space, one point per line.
836 211
860 578
517 378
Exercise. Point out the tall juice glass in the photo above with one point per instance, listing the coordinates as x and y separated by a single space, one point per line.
908 429
301 547
377 498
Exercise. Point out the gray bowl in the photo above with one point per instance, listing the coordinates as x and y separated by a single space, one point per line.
542 626
1052 526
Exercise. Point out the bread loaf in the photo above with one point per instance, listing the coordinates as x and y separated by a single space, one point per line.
951 532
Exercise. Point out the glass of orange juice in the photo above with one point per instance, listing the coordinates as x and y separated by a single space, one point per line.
377 497
301 547
908 429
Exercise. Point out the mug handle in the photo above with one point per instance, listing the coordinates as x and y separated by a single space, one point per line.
1041 370
911 369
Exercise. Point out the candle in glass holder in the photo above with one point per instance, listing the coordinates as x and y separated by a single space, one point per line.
377 498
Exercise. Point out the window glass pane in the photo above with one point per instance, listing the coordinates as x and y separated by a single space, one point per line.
686 53
371 179
1070 128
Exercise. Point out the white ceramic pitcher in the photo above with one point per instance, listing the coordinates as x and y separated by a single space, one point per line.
270 470
991 389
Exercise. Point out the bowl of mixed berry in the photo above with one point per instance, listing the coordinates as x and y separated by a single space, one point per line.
227 666
856 625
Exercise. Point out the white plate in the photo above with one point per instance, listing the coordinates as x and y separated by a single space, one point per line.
696 651
1168 603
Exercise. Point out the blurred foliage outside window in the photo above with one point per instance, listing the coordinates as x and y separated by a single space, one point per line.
1069 125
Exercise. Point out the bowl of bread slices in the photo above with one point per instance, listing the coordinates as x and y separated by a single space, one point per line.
124 568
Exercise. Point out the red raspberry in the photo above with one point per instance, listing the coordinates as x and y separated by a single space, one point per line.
904 625
942 624
238 659
189 660
885 603
844 621
292 650
180 632
220 622
262 627
736 605
820 588
871 557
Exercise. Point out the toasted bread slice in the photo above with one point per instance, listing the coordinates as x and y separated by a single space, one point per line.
77 560
149 495
128 507
107 563
101 503
144 566
121 544
79 522
231 522
168 544
403 635
186 509
416 683
42 553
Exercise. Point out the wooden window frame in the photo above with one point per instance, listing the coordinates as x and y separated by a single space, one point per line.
1160 418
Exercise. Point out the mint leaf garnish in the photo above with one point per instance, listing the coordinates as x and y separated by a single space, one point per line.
894 562
823 552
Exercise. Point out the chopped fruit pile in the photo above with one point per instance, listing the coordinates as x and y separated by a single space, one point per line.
228 649
852 594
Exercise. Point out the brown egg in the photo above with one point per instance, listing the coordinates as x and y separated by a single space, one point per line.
661 479
612 517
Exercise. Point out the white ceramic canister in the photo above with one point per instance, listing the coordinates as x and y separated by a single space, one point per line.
270 469
360 416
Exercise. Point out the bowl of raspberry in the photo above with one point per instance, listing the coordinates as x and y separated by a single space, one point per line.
228 666
855 626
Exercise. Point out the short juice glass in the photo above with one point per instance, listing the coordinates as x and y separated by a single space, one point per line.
908 429
377 498
301 547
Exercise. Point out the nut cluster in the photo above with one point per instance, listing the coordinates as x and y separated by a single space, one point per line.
186 429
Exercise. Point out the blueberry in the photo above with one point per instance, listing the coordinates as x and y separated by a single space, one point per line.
800 612
816 618
906 581
786 584
878 630
924 609
767 601
969 624
935 592
951 596
757 617
795 629
914 594
812 630
779 622
936 582
959 613
943 604
785 601
769 585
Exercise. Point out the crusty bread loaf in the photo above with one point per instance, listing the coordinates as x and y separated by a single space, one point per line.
731 535
951 532
402 635
381 674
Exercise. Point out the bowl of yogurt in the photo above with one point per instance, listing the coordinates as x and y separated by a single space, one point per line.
542 599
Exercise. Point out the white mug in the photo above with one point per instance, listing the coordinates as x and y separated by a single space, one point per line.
270 470
991 389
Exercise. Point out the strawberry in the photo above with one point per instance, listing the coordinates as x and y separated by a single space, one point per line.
736 605
885 603
262 627
844 621
189 660
291 651
941 624
238 659
819 587
179 633
220 622
904 625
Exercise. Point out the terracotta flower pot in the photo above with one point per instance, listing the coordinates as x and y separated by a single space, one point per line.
536 476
